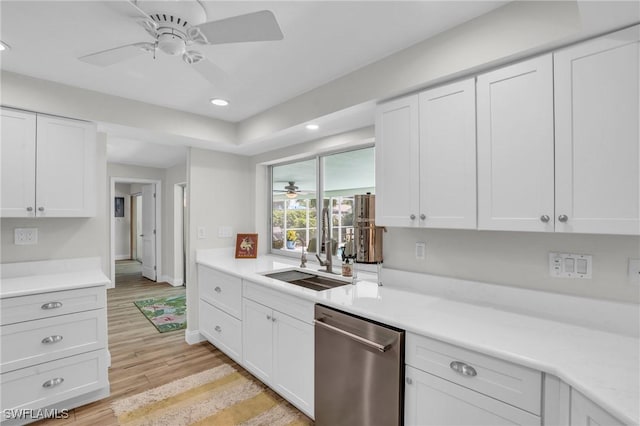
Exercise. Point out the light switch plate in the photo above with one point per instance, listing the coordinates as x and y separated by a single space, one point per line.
420 251
25 236
570 265
225 232
202 233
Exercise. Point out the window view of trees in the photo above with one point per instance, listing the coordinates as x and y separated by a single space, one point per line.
294 202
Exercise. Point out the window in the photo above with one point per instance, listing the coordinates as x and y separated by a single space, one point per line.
297 188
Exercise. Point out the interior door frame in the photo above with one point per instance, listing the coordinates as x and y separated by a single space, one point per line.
112 246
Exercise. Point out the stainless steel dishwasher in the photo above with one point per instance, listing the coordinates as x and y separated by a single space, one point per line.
359 371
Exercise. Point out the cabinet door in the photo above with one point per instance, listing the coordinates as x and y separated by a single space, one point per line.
597 99
397 175
448 156
293 361
257 339
430 400
585 412
18 163
66 161
515 147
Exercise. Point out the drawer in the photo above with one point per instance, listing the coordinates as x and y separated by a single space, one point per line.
511 383
221 329
34 342
45 305
53 382
293 306
221 290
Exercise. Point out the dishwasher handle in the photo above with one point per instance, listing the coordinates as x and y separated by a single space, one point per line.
375 345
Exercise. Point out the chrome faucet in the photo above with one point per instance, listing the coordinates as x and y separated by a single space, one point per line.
326 242
303 256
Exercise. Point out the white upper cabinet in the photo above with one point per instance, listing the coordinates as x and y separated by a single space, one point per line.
448 156
425 159
515 147
397 157
597 98
49 175
17 157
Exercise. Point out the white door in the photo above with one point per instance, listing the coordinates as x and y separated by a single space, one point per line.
397 175
293 357
149 231
432 401
257 340
515 147
597 97
18 163
65 181
448 156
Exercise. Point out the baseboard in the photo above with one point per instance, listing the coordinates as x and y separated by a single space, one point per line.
170 280
193 336
123 257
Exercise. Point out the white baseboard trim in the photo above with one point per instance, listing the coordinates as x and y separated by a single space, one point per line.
123 256
170 280
193 336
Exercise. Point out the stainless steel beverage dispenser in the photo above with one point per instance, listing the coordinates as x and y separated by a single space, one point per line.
368 236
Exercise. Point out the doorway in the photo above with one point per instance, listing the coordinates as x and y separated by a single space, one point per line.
143 230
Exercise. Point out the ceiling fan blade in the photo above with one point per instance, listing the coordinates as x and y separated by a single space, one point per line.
256 26
128 8
115 55
215 75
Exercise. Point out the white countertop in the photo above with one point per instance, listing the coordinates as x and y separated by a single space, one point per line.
24 278
602 362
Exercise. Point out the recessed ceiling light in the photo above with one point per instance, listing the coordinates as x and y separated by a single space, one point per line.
312 126
219 102
4 46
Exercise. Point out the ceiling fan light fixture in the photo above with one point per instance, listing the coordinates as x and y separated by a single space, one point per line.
312 126
291 195
171 44
4 46
219 102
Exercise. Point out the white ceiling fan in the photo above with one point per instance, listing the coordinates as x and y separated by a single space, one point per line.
178 25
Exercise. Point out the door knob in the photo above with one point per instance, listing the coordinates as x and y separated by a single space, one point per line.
563 218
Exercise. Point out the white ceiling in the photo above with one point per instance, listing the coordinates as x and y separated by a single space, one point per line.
323 40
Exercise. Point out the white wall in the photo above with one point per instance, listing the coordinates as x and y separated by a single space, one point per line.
62 238
219 193
172 176
122 231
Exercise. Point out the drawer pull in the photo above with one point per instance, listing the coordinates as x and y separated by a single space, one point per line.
52 383
51 339
52 305
218 329
462 368
217 289
409 381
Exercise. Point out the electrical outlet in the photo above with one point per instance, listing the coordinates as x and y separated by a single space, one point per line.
25 236
224 232
569 265
634 270
202 233
420 251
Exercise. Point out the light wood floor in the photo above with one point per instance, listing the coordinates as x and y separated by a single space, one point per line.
142 358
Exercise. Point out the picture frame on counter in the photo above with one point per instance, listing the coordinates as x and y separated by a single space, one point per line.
246 246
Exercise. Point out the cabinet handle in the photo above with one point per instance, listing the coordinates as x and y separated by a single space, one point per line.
412 217
409 381
218 328
29 209
544 218
40 209
423 216
273 319
52 383
462 368
52 305
563 218
268 317
217 289
51 339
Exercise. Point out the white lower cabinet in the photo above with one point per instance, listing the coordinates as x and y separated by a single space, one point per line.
430 400
221 329
585 412
278 348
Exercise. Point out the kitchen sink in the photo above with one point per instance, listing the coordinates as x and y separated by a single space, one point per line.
307 280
